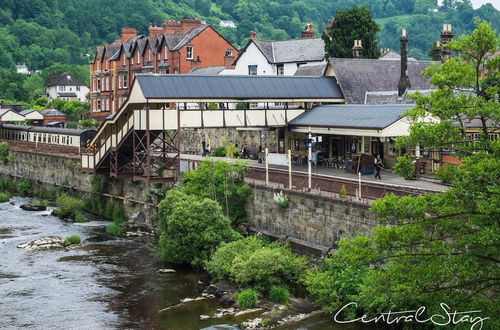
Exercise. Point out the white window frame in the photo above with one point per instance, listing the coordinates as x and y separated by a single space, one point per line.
166 52
189 52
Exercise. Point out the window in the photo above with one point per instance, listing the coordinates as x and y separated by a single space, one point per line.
77 88
149 55
98 84
254 105
252 70
189 52
62 88
98 104
280 69
123 60
166 51
138 58
125 80
229 52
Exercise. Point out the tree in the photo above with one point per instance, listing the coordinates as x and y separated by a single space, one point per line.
352 24
443 247
223 182
191 228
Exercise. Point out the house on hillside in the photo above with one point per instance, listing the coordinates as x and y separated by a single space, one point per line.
66 87
22 68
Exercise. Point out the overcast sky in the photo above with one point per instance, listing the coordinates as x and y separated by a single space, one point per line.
479 3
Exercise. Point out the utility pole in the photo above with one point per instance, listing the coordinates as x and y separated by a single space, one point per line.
267 167
290 169
309 163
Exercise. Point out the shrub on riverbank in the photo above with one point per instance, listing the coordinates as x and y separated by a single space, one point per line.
247 299
80 218
252 263
191 228
279 294
73 239
4 197
67 206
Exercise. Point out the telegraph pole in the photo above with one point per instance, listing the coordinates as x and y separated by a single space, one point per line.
309 163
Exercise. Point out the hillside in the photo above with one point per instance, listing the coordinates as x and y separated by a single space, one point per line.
44 32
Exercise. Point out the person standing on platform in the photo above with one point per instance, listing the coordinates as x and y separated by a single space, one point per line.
378 166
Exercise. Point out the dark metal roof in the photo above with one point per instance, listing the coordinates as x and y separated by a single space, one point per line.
352 115
209 70
358 76
237 87
26 112
53 113
42 129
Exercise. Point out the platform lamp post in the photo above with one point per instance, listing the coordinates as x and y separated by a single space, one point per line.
309 163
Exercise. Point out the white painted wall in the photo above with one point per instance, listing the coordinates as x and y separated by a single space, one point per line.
251 56
81 95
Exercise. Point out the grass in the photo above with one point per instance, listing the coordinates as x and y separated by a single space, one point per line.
279 294
38 202
4 197
247 299
73 239
114 229
80 218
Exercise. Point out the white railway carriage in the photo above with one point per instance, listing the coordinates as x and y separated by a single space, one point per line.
59 136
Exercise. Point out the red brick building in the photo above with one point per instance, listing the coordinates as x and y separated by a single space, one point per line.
176 47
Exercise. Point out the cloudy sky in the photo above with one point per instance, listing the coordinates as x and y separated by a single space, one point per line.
479 3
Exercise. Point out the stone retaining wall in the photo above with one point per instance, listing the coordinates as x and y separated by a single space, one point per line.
312 218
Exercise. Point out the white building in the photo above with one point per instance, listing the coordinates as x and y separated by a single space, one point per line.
267 57
229 24
22 68
67 88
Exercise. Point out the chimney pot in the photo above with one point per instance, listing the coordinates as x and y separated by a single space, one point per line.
403 33
253 35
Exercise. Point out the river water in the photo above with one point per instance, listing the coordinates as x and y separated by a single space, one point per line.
103 283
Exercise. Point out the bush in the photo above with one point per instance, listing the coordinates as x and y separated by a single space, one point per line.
4 197
279 294
38 202
219 152
24 187
68 206
71 124
80 218
253 263
281 200
404 167
73 239
114 229
191 228
446 173
213 106
5 155
247 299
241 106
89 123
222 261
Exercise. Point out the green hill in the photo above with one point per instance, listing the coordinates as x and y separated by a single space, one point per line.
41 33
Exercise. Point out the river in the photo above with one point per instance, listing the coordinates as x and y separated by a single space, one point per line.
103 283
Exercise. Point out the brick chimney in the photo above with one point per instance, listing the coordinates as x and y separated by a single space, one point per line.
446 36
229 60
189 23
357 49
308 32
171 26
127 33
253 35
436 51
404 81
155 31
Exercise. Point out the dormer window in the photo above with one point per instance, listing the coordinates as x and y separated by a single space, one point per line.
189 52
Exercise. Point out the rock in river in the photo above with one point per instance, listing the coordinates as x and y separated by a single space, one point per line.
44 242
33 207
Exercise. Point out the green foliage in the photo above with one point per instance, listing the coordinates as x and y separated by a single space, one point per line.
241 106
433 248
250 262
281 200
5 155
24 187
212 106
38 202
219 152
4 197
352 24
446 173
404 167
67 206
114 229
220 265
71 124
80 218
222 182
279 294
247 299
73 239
89 123
343 192
191 228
